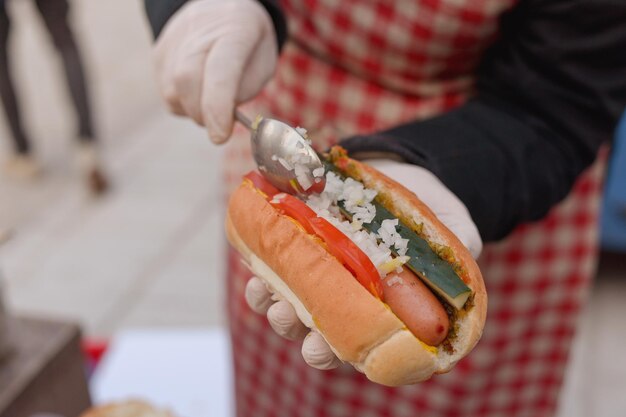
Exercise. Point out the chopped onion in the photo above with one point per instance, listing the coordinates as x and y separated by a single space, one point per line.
394 280
358 201
285 164
301 131
391 237
304 181
277 198
300 170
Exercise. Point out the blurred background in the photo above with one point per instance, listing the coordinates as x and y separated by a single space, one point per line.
148 254
148 251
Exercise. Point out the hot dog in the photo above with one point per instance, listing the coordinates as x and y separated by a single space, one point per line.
398 317
417 307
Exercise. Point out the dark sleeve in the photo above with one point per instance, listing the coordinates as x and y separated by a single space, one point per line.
159 12
549 92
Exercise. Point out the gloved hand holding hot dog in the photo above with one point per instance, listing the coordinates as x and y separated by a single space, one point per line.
366 266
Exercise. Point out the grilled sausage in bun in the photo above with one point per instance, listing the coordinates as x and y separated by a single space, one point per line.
367 265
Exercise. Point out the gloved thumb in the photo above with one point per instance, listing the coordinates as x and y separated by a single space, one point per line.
448 208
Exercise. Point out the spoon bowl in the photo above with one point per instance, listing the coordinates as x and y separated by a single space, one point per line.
285 157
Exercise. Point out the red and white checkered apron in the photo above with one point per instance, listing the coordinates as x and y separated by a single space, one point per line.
360 66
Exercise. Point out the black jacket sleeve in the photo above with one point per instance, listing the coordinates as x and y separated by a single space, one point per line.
549 93
159 12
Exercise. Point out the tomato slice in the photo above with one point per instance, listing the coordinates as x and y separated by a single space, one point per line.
261 183
346 251
339 245
353 258
295 209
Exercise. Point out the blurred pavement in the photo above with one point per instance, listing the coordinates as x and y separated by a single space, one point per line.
149 253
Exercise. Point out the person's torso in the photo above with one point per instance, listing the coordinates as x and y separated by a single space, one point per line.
361 66
418 47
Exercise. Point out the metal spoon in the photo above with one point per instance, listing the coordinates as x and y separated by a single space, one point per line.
276 147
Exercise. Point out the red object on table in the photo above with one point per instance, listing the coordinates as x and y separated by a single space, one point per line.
94 349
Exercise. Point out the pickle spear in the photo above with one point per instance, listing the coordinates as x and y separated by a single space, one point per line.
437 273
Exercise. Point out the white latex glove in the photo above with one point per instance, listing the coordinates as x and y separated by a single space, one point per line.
284 320
446 206
213 55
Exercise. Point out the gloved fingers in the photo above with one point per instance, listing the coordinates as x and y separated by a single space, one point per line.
203 53
223 72
259 68
167 88
284 320
317 353
187 79
257 296
166 61
172 102
174 106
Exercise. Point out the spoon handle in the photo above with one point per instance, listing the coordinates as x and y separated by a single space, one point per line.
243 119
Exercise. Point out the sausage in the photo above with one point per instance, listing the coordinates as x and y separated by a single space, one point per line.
411 300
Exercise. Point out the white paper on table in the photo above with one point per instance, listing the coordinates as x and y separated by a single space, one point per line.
188 371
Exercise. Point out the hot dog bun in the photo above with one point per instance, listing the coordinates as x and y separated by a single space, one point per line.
359 328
